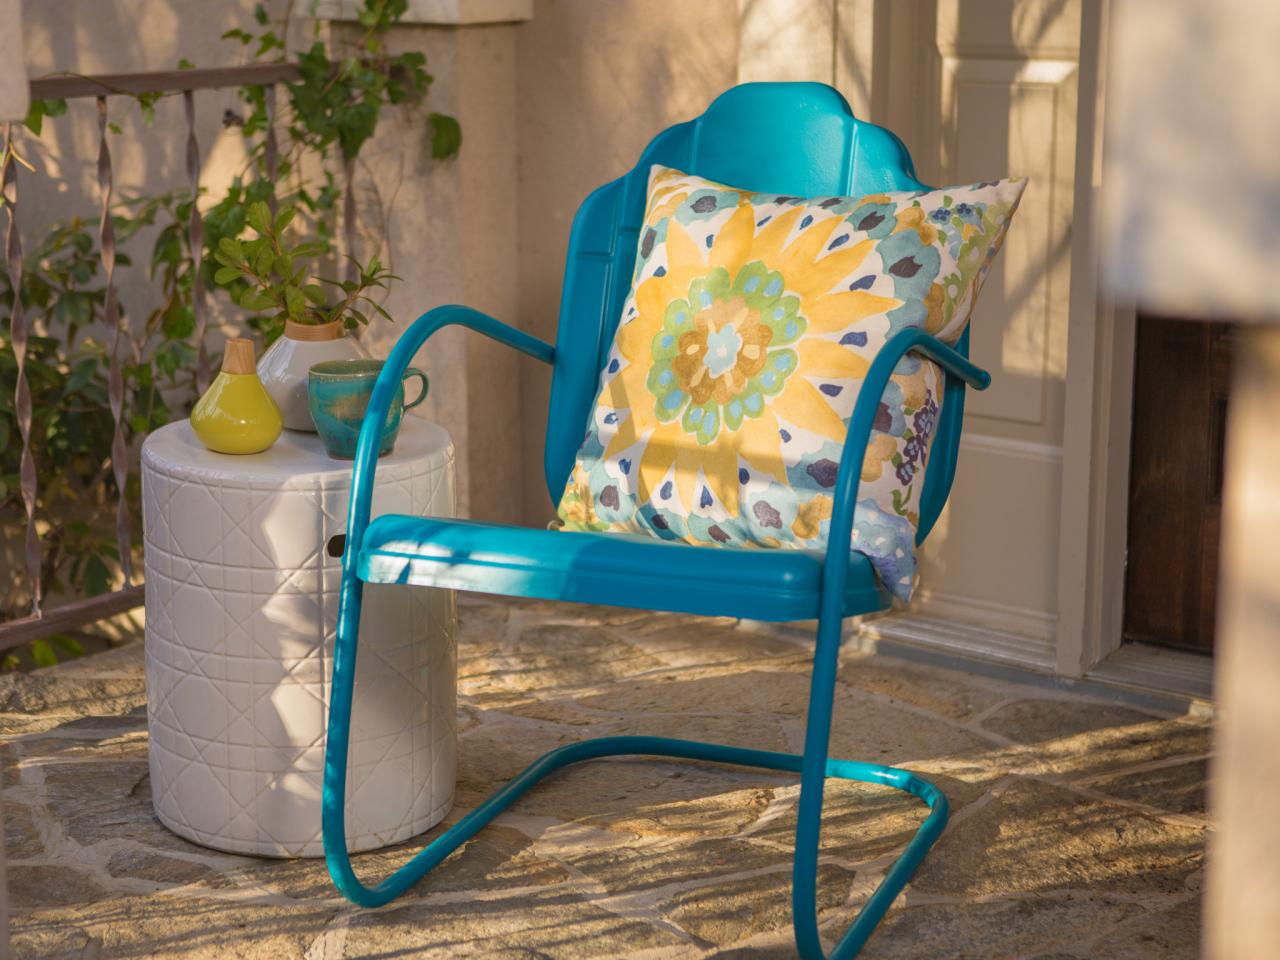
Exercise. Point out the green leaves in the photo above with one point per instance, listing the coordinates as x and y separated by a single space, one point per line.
337 101
230 248
147 104
67 374
273 266
256 300
97 577
177 322
268 275
283 219
263 256
267 42
446 136
376 12
341 102
259 217
42 653
295 303
40 109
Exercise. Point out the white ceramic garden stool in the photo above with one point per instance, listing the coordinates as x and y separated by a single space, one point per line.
242 604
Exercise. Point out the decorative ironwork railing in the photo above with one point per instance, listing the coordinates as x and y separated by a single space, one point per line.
41 622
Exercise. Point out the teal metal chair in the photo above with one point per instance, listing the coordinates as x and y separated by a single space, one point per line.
793 138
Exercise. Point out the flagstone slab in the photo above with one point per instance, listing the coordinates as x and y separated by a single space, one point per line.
1077 831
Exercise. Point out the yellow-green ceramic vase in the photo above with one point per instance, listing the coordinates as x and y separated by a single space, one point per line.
236 414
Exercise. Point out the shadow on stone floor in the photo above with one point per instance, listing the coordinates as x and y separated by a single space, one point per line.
1077 827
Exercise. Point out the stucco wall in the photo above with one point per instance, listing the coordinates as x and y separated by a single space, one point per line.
125 36
128 36
550 108
449 226
13 86
595 82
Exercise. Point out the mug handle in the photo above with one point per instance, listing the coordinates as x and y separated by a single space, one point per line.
415 372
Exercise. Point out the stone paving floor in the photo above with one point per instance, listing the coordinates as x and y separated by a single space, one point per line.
1077 832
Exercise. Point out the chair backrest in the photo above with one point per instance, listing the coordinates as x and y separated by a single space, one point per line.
790 138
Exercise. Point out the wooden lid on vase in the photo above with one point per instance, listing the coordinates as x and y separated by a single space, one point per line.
238 356
313 332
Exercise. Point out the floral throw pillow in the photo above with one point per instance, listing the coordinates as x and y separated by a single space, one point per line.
750 326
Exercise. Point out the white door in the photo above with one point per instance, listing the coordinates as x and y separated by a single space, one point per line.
981 89
978 89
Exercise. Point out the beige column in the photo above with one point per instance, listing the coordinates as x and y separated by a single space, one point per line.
450 229
1243 897
1193 226
597 80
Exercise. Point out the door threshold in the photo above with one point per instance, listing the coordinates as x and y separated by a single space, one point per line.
1138 675
1144 666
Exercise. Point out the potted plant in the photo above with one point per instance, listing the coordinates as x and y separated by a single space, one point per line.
273 277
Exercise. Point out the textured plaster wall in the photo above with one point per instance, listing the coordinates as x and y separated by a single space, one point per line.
451 234
118 36
549 108
13 86
450 226
595 82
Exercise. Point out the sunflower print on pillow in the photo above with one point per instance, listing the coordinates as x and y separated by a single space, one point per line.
750 325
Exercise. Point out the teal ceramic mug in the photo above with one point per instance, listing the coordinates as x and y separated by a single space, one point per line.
338 393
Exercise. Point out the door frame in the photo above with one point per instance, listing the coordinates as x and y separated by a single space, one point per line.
1098 426
1098 423
872 62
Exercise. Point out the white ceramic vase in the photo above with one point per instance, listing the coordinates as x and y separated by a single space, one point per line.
283 368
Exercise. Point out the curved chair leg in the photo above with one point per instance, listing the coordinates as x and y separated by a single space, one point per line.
813 767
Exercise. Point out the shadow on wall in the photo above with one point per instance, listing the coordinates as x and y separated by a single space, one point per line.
90 37
597 81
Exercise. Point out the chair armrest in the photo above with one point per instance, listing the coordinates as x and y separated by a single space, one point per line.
957 368
384 390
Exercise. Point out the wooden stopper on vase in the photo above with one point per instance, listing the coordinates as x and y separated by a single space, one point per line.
238 356
313 332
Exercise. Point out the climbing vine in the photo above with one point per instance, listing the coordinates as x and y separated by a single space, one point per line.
325 119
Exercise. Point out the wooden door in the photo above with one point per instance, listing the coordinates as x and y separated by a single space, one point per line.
1181 379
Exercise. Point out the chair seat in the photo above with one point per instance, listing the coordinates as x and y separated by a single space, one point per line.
612 569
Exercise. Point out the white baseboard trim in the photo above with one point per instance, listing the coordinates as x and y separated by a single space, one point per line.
1005 618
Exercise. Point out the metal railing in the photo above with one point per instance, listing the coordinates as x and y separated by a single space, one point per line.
40 622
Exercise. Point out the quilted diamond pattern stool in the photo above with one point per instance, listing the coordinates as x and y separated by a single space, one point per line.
242 603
